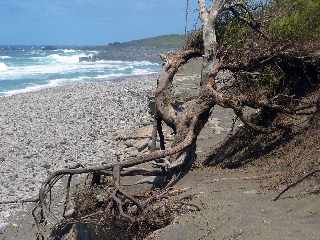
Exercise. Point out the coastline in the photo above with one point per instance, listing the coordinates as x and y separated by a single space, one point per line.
53 128
37 88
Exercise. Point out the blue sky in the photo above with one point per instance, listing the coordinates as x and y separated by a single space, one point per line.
88 22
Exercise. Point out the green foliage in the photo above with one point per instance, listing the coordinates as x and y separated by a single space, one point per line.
295 19
233 34
233 30
143 49
281 20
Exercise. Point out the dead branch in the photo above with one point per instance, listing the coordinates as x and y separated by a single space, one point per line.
30 200
296 183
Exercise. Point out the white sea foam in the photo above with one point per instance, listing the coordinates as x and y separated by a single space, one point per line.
37 51
67 81
66 50
108 67
144 63
73 59
36 70
50 84
3 67
110 76
63 68
5 57
37 87
58 82
25 90
142 71
61 58
69 50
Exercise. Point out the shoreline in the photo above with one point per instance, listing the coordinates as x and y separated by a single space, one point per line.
104 81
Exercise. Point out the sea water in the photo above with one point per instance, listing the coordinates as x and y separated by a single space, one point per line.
25 69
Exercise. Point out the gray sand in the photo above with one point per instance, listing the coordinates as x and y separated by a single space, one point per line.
55 128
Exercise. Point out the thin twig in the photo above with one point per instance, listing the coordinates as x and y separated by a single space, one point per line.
30 200
296 183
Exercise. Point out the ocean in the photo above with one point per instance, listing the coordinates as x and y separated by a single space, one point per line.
26 69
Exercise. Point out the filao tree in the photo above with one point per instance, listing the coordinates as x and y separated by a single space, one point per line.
234 36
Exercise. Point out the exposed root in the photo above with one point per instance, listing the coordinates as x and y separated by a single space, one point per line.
120 216
121 205
152 210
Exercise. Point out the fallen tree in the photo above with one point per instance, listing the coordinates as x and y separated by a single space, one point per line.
171 163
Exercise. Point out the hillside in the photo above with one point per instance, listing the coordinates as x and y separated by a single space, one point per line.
143 49
165 41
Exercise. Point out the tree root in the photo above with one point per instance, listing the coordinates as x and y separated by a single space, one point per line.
186 120
119 213
121 205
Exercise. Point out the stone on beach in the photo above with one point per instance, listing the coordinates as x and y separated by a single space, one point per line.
60 127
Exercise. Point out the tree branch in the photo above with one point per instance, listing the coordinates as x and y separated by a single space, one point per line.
203 10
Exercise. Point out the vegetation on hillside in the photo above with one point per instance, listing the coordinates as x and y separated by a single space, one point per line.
143 49
173 41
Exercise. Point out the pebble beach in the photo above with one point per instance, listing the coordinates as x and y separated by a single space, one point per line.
60 127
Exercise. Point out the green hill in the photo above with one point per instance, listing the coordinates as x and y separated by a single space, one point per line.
164 41
143 49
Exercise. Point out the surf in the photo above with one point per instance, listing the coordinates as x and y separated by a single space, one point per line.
36 69
3 67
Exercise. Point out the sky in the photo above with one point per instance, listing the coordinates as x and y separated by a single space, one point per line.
88 22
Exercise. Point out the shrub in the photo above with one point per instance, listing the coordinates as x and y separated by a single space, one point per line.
295 19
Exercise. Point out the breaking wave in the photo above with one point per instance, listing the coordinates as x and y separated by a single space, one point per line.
38 69
3 67
5 57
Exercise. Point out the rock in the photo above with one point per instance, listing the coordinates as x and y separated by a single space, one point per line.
46 166
134 152
88 59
